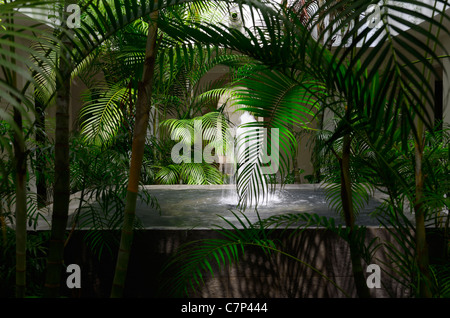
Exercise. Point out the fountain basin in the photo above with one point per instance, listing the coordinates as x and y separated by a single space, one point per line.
185 207
199 207
189 213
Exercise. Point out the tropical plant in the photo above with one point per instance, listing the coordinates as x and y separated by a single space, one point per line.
287 105
195 259
75 46
366 80
36 262
35 243
105 22
397 216
180 93
98 174
213 127
145 93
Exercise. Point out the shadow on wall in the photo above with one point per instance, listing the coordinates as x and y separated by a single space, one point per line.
256 275
280 276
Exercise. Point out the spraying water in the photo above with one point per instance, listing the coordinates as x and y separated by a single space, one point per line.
241 160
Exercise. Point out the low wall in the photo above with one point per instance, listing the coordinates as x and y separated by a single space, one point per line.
256 275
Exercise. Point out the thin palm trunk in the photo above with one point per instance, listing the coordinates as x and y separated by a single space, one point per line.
422 256
21 207
62 182
3 227
41 186
137 154
347 206
20 191
347 202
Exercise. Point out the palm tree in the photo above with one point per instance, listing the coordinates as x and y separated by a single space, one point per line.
16 96
100 22
366 81
140 131
178 92
411 98
145 90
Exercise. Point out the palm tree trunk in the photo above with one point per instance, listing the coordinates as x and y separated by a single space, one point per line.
41 186
137 154
62 182
21 192
347 206
21 207
422 257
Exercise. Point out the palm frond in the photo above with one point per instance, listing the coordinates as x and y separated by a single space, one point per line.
102 115
382 48
441 275
296 223
400 265
196 259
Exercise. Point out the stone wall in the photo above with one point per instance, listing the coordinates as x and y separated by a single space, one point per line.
256 275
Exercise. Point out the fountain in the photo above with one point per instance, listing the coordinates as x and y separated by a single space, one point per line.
185 207
190 206
238 160
199 207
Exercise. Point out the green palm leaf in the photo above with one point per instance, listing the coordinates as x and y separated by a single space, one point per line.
197 259
103 116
